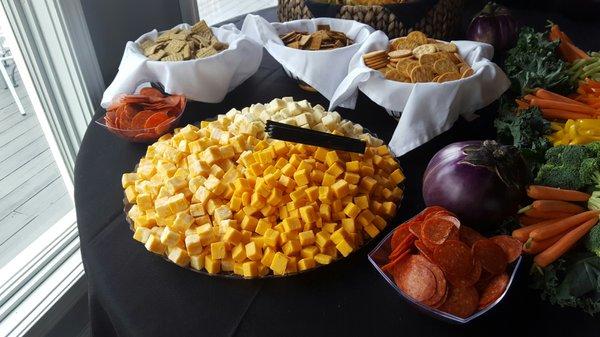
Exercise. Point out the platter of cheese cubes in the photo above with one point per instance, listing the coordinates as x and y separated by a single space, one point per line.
222 198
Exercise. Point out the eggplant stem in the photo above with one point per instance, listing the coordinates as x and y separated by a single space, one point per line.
525 209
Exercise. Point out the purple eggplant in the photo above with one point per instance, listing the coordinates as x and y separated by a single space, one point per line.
482 182
494 25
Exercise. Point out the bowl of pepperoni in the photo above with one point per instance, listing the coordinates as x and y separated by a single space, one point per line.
144 116
446 269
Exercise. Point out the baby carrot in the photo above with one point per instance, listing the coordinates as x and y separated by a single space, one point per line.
563 114
545 94
562 225
564 244
522 234
553 193
536 213
534 247
545 103
525 220
556 206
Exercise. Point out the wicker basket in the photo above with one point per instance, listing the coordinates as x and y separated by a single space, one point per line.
440 21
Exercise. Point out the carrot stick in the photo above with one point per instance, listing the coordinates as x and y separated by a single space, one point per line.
534 247
525 220
553 193
545 103
521 104
556 206
545 94
563 114
562 225
564 244
536 213
522 234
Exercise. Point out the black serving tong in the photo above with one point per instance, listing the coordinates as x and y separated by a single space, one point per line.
290 133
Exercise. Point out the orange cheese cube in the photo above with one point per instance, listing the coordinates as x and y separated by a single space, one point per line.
306 263
279 263
308 214
291 224
232 236
309 251
268 255
212 266
250 269
352 210
306 238
340 188
252 251
323 259
344 247
292 247
218 250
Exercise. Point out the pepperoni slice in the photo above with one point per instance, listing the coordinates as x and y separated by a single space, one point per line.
164 126
390 265
415 279
454 257
468 280
437 229
151 92
425 251
461 302
138 121
441 285
512 247
403 246
415 228
493 290
155 120
399 235
469 236
490 255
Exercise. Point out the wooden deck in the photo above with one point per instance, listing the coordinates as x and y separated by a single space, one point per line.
32 193
215 11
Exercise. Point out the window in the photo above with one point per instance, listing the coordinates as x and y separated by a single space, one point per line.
215 11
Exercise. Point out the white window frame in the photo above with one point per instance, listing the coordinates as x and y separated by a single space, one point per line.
53 51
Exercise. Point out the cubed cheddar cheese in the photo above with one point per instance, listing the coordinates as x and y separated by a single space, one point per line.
218 250
292 247
306 263
344 247
351 210
340 188
306 238
154 245
250 269
253 252
213 266
279 263
169 237
142 234
323 259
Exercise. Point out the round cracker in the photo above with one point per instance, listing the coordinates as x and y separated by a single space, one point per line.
424 49
468 72
429 59
451 76
448 47
395 75
444 66
402 43
462 67
408 68
400 53
418 37
403 62
376 53
421 74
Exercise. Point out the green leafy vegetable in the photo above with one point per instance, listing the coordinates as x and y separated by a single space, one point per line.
526 131
572 281
592 241
572 167
534 63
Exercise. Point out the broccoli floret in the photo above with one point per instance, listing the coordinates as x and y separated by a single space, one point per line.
571 167
595 147
592 242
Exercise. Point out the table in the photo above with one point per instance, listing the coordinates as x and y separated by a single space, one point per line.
135 293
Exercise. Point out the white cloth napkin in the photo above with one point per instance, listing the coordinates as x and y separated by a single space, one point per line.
205 80
428 109
322 70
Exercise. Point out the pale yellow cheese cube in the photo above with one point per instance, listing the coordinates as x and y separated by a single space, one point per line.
130 194
170 237
128 179
222 213
177 203
197 262
142 234
227 264
193 244
182 221
154 245
253 252
179 256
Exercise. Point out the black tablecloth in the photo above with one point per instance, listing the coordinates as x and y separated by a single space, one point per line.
135 293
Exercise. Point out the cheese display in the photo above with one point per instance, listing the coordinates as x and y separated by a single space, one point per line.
221 197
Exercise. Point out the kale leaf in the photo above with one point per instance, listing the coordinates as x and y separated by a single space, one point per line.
571 281
525 130
534 63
